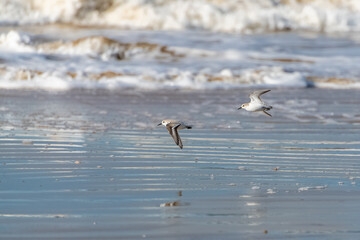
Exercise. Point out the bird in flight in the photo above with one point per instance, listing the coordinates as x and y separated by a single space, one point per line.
256 104
173 126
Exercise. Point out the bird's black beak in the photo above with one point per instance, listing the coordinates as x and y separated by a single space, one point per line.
159 124
239 108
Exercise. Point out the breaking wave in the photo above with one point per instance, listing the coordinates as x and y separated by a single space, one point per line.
17 78
239 16
101 62
93 46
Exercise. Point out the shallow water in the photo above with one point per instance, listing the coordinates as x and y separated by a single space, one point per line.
93 165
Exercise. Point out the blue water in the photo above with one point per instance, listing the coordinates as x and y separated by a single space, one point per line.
95 166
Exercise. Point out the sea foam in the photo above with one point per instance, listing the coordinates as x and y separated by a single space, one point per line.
245 16
195 61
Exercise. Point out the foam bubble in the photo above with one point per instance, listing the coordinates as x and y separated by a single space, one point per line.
15 41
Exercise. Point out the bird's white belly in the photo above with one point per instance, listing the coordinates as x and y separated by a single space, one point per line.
255 107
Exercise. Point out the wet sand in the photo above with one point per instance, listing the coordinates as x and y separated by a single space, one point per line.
93 165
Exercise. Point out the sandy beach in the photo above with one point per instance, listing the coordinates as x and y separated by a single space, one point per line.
93 165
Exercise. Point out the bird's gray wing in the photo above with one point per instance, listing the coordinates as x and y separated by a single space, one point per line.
255 96
169 128
175 135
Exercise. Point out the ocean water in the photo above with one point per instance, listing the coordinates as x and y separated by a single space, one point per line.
202 44
94 165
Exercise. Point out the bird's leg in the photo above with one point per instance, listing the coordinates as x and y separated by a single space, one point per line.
267 113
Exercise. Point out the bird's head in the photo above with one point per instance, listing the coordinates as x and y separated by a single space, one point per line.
163 122
245 105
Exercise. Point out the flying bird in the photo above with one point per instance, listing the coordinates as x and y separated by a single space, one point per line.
256 104
173 126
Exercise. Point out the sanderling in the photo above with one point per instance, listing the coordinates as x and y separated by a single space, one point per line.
256 104
173 126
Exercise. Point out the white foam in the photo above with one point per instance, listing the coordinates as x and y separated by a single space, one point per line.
270 191
15 41
224 16
112 63
90 46
276 76
19 79
13 77
301 189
